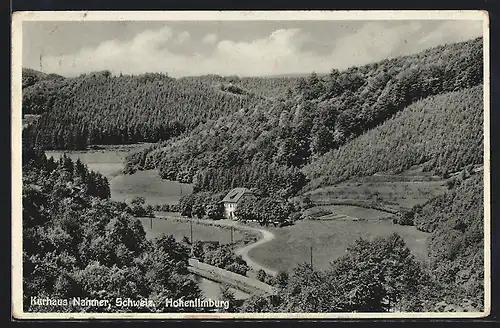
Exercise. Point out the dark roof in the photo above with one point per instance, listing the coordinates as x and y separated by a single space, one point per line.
234 195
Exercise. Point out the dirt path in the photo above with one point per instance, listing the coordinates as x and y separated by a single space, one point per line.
267 236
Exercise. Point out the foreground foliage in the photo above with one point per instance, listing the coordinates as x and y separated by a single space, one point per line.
78 243
374 276
221 256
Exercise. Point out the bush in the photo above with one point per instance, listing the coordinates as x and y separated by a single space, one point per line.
139 208
261 275
281 279
221 256
307 203
237 268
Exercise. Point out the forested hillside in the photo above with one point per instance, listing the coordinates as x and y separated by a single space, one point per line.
279 137
102 109
266 144
268 87
78 243
445 132
39 90
99 108
456 244
31 77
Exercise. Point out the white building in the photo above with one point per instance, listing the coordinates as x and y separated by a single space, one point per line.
232 199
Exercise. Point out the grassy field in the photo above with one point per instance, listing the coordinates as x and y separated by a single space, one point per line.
330 234
383 189
329 240
109 162
147 184
394 194
349 211
180 229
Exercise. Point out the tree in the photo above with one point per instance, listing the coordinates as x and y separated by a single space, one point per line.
228 296
246 210
198 251
139 208
281 279
257 304
214 211
186 205
261 275
198 210
378 274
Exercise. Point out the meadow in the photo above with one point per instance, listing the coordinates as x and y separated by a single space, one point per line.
182 228
107 162
337 211
333 228
147 184
389 194
383 190
329 241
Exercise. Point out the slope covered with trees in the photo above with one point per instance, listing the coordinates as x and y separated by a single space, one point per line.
39 91
31 77
445 132
99 108
267 87
79 244
456 244
102 109
265 145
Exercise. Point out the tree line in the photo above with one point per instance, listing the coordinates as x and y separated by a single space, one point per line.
456 244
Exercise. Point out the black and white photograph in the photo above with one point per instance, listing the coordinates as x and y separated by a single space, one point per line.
319 164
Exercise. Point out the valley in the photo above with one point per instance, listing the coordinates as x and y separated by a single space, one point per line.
364 183
329 235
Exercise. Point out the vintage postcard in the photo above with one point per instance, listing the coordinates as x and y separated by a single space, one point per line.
315 164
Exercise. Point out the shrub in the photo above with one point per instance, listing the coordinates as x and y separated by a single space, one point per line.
261 275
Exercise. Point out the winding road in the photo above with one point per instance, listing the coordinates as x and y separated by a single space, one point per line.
267 236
